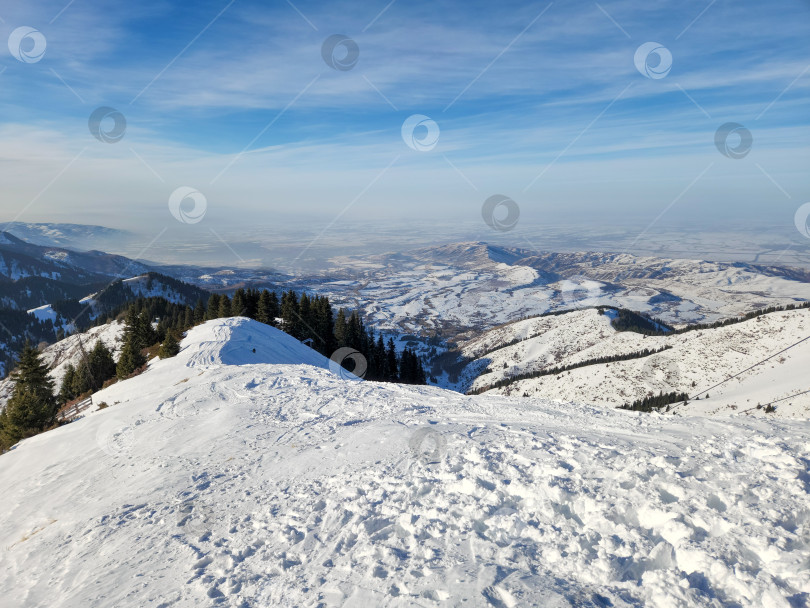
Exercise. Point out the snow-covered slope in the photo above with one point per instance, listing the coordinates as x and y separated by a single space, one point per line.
224 477
695 362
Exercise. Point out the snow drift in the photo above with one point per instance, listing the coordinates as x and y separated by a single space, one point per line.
224 477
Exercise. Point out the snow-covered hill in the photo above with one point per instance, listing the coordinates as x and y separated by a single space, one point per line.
694 363
69 352
227 477
148 285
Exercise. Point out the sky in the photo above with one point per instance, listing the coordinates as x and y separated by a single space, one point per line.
599 114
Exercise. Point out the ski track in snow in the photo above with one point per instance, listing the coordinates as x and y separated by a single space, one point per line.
225 477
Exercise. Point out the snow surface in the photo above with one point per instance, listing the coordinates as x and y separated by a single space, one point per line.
223 477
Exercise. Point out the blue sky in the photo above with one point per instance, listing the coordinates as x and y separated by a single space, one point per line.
540 102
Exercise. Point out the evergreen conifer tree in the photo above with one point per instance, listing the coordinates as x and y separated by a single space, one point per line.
130 359
102 365
170 346
224 307
66 389
263 311
341 329
238 308
392 371
33 406
212 310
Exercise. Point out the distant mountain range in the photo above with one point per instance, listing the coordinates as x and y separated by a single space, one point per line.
436 299
80 237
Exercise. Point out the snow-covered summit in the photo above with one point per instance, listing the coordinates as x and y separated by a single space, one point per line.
243 341
219 479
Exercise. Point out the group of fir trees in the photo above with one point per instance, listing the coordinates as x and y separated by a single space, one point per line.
138 335
653 403
310 319
93 370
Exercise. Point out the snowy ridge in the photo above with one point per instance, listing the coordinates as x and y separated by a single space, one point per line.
216 481
240 341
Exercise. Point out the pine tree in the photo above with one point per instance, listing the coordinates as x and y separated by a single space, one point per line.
238 308
33 406
170 347
290 315
188 320
102 365
305 318
354 331
66 389
263 311
341 329
81 379
130 359
199 312
392 371
212 310
224 307
275 309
